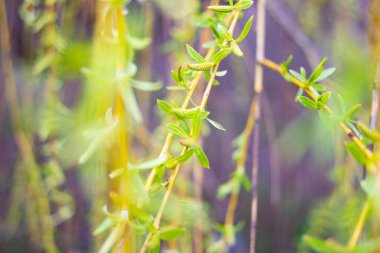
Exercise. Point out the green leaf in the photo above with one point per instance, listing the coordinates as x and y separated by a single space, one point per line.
369 133
224 32
138 43
324 246
317 87
43 63
224 190
245 4
185 126
326 119
165 107
183 158
116 173
287 63
130 102
194 54
353 128
236 49
223 53
297 75
175 88
106 224
324 97
221 73
352 111
170 234
202 158
154 244
197 120
307 102
317 71
356 152
175 129
325 74
148 164
246 182
216 124
245 31
146 86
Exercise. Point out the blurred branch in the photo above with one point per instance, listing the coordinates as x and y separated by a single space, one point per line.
258 87
282 15
35 187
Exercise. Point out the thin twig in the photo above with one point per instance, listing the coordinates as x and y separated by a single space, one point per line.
274 66
260 52
24 144
285 19
359 226
173 176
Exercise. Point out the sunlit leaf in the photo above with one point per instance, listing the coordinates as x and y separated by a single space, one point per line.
307 102
202 158
148 164
194 54
245 31
216 124
177 130
169 234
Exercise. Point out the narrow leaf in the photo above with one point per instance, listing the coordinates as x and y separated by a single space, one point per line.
224 32
325 74
165 107
146 86
356 152
197 120
177 130
371 134
317 71
183 158
236 49
202 158
245 4
297 75
216 124
194 54
307 102
171 233
223 53
245 31
148 164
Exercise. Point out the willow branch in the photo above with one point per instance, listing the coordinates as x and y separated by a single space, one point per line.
173 176
274 66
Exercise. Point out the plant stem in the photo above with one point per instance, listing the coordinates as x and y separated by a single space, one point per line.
258 87
173 176
366 152
193 86
359 226
229 219
24 144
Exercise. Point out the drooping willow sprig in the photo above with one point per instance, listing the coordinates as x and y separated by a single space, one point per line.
318 101
190 135
204 64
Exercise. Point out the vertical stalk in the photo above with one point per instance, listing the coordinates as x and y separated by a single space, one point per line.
359 226
39 199
258 87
